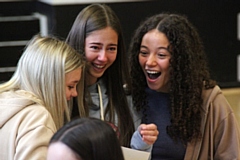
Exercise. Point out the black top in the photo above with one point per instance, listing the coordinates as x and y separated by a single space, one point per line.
158 112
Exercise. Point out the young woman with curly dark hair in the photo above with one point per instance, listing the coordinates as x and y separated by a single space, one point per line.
173 89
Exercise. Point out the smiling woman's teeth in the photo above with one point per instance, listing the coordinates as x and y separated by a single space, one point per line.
153 74
98 66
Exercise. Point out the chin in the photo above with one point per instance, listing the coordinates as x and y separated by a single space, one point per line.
153 87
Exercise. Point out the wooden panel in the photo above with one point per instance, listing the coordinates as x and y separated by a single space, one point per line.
233 97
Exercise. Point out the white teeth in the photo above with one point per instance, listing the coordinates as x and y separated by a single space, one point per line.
99 66
152 72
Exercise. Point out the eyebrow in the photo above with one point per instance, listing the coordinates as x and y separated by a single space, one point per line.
102 44
96 43
163 48
142 46
75 81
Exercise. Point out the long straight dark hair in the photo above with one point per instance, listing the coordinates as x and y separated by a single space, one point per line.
96 17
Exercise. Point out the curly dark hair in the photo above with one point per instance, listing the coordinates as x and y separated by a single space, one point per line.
189 73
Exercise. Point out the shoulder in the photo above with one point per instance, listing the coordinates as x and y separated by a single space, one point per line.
35 116
215 102
210 95
34 132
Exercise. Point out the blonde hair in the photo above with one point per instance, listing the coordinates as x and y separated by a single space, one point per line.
41 70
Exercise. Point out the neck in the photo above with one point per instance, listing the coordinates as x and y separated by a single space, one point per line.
90 80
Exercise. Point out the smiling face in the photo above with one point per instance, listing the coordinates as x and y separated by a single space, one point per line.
100 52
72 78
154 59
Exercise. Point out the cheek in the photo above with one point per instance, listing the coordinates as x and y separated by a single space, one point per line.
90 56
141 61
164 64
67 92
166 68
113 57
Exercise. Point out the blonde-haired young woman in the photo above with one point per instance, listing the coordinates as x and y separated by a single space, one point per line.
34 102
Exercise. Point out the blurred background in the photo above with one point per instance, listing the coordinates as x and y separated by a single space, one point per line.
218 23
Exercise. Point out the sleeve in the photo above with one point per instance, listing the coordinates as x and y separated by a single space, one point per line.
138 144
35 132
136 140
227 133
135 115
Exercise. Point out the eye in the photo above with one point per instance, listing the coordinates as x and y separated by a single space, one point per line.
112 48
70 87
143 53
95 47
162 55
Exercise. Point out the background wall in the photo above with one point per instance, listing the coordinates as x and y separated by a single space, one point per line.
215 20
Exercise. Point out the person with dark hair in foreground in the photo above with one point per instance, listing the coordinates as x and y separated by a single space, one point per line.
85 139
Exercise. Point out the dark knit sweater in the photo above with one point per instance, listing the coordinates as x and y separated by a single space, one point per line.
158 112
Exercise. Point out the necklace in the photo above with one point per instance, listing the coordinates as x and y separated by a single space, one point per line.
101 102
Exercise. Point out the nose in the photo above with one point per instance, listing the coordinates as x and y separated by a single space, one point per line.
102 56
151 61
74 93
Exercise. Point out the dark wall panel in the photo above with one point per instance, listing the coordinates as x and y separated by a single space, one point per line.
216 22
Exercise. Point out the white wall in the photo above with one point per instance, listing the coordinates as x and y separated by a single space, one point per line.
66 2
14 0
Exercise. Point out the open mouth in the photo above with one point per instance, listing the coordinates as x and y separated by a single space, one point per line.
153 74
98 66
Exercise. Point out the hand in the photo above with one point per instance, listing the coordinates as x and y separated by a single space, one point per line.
148 132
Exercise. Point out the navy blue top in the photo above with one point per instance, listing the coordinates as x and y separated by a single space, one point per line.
158 112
